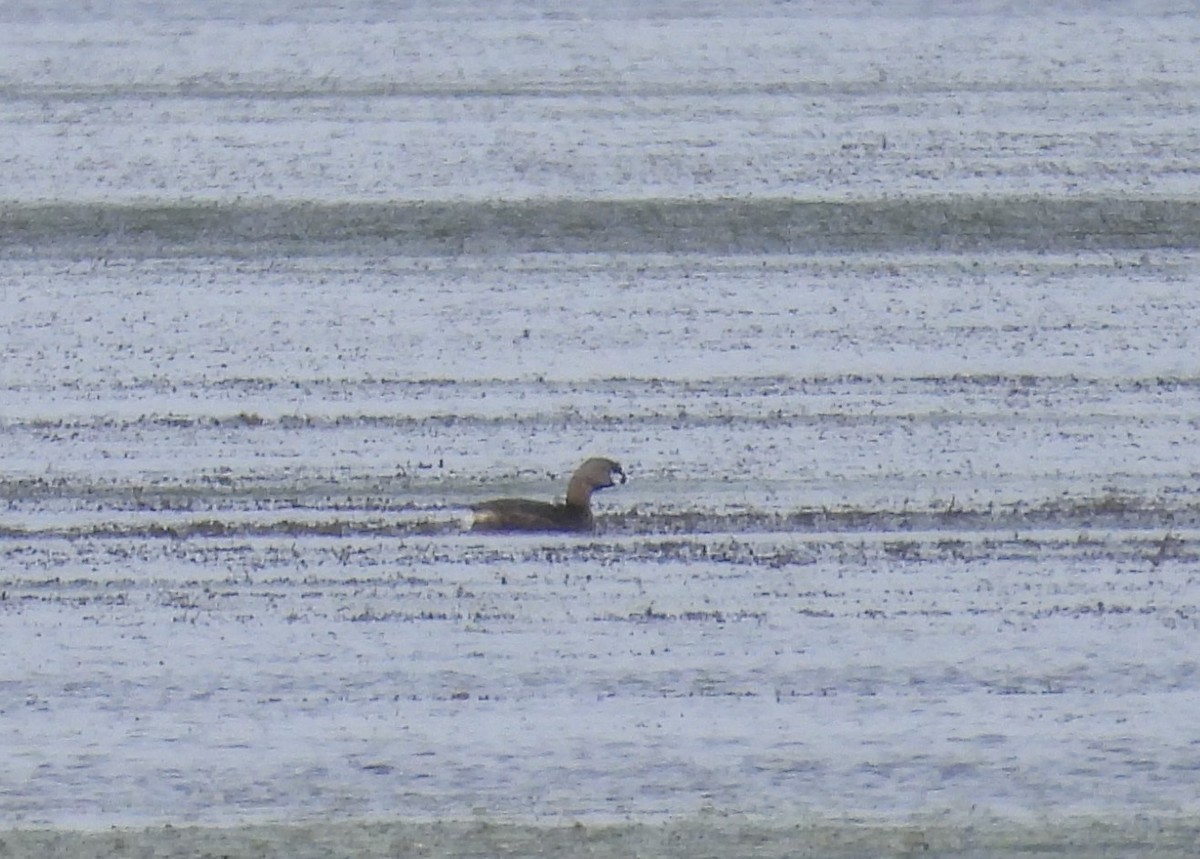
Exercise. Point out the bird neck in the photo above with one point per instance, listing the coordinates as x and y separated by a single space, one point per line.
579 493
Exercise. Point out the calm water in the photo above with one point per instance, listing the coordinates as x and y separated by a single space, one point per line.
889 316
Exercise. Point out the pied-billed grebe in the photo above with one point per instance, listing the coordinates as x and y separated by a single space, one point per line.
521 514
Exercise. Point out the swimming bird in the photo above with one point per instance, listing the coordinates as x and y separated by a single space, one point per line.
521 514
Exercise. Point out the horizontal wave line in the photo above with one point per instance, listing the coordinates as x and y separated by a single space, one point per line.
713 226
1161 524
771 386
679 421
215 88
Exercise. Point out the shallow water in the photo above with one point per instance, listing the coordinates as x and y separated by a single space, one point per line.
911 530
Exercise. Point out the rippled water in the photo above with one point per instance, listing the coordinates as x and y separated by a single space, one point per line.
897 347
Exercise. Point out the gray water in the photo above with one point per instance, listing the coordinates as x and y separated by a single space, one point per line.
888 315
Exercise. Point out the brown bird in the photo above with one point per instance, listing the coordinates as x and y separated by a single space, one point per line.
521 514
